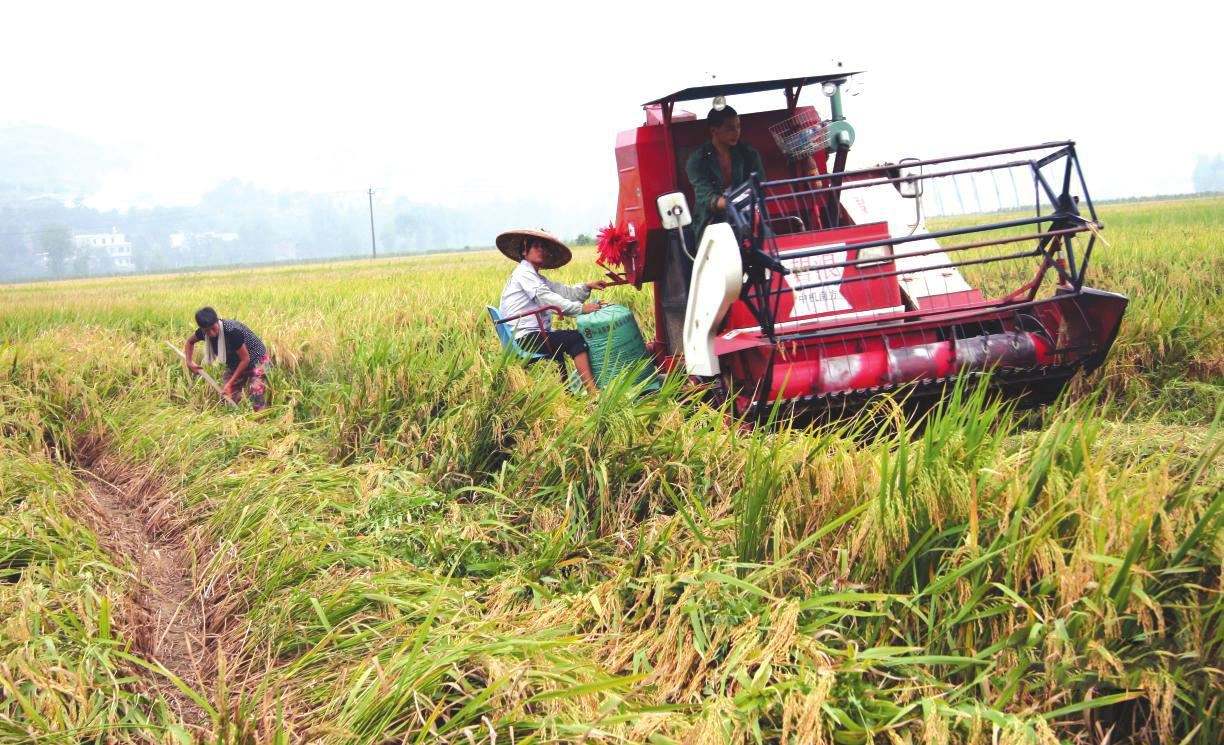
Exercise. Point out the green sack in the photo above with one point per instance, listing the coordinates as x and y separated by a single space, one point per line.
615 341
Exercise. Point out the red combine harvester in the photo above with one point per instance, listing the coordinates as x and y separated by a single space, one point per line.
825 287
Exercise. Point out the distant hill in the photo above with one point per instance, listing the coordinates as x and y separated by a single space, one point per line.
39 161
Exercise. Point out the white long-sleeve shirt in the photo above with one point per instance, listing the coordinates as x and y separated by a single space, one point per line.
528 290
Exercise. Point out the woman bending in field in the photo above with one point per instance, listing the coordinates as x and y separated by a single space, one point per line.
232 343
528 290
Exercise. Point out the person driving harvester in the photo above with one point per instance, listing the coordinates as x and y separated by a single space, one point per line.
722 163
527 290
719 164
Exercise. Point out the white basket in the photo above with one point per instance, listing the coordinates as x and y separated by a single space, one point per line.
801 135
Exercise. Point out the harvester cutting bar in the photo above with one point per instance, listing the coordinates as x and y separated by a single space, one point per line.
1028 387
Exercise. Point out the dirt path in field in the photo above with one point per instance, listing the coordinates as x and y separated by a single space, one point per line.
165 616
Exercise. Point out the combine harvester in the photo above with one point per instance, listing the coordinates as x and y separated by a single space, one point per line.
821 291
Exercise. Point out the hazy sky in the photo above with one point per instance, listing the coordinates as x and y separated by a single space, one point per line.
456 103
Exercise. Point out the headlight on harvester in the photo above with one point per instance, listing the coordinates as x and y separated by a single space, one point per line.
874 256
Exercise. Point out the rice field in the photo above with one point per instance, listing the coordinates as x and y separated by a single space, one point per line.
423 541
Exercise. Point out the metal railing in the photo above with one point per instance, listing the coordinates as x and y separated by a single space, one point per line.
1055 215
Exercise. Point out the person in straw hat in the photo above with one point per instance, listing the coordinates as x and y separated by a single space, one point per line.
528 290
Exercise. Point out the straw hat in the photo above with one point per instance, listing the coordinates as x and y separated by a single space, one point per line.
512 242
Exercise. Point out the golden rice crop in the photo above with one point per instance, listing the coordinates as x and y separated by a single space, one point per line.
423 541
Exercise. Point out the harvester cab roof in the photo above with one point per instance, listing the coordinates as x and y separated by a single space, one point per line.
818 286
792 86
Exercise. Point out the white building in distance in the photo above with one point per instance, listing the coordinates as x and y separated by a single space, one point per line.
180 239
114 245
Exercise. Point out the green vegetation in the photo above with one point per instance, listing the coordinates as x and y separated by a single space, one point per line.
422 541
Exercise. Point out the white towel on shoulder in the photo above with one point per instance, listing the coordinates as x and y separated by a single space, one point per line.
218 356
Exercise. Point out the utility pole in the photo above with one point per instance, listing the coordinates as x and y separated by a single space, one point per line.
373 247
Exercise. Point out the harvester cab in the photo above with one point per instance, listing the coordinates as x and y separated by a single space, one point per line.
819 287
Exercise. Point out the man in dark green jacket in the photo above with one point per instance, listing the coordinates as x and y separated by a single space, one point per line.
719 164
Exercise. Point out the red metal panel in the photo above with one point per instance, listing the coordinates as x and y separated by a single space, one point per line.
860 293
641 157
852 298
647 170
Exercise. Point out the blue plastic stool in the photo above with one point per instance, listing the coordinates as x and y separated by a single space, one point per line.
507 339
511 345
